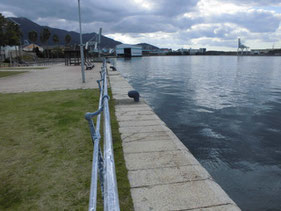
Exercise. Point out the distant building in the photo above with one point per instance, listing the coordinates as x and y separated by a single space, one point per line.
183 51
8 51
30 47
127 50
197 51
148 49
260 51
164 50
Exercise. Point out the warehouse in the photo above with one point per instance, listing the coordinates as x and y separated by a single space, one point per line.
126 50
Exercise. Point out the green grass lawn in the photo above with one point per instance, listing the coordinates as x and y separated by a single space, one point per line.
46 151
23 68
8 73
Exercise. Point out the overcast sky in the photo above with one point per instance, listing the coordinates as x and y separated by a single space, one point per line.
214 24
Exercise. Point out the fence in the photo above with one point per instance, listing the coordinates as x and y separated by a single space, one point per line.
103 165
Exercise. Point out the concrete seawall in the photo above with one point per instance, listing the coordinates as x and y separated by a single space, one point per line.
163 174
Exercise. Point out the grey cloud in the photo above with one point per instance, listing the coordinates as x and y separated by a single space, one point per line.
151 23
225 32
183 23
221 43
173 7
254 21
98 10
255 2
34 9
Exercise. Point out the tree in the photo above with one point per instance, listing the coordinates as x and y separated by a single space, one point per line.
32 36
56 40
44 37
2 42
10 33
67 39
2 25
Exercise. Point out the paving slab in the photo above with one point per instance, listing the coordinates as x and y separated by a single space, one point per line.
140 123
149 146
142 107
162 135
135 113
153 128
180 196
151 160
137 117
228 207
168 175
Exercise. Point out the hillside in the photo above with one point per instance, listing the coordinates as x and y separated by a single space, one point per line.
27 25
146 46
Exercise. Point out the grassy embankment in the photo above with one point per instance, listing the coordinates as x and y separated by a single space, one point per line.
8 73
23 68
46 151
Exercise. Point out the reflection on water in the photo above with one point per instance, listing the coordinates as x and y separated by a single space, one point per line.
227 111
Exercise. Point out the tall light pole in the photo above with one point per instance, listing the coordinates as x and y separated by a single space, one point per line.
99 41
81 45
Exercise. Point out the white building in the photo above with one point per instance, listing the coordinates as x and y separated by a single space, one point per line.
197 51
128 50
8 51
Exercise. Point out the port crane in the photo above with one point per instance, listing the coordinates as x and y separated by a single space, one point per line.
93 45
241 47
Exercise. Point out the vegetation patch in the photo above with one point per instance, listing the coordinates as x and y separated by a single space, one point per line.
8 73
24 68
46 151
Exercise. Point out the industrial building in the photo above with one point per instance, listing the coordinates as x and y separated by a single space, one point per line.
126 50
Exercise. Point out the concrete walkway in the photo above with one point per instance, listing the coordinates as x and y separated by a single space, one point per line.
55 77
163 174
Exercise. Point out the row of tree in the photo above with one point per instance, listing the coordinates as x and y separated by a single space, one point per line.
10 34
45 36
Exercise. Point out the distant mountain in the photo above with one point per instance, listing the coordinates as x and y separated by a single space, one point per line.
27 25
146 46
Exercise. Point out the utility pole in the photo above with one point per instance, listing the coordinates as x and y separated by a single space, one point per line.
99 41
81 45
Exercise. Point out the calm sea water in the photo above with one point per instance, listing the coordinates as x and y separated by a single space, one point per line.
227 111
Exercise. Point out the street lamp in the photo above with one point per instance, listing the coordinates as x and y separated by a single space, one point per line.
81 45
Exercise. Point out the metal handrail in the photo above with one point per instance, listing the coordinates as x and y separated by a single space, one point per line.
103 166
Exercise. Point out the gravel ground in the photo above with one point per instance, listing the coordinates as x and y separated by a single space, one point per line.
56 77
